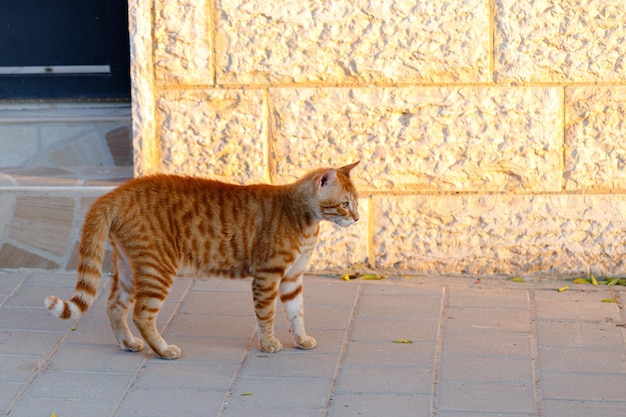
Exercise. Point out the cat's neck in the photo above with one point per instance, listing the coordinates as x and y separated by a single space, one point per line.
302 200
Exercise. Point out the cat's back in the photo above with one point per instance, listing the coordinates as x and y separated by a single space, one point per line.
170 183
184 197
166 186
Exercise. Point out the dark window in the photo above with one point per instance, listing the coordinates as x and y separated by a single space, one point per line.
64 49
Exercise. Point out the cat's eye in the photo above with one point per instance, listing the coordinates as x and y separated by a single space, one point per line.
345 204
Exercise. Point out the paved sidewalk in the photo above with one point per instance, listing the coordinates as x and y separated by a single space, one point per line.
493 348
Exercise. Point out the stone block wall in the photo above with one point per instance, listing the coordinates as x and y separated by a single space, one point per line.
491 133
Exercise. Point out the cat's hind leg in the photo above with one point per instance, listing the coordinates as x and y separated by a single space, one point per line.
152 286
290 291
121 299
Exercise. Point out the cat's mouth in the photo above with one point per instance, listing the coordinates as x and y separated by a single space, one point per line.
346 222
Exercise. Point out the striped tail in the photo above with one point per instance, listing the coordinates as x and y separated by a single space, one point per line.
91 255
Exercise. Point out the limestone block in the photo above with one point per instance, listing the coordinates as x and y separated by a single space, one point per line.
500 234
352 41
553 41
422 139
341 248
213 133
44 222
142 87
595 144
182 53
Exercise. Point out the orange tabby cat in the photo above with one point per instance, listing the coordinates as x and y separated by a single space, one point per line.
162 223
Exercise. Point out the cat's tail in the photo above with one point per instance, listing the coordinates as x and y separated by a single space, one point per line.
91 255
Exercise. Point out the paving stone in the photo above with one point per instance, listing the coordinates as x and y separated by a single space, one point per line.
484 359
388 330
168 402
93 332
321 317
582 359
328 290
408 286
484 342
14 257
487 298
291 364
18 368
579 305
486 369
264 392
388 353
29 318
44 222
397 380
241 408
487 397
577 408
80 358
74 386
383 307
367 404
29 407
453 413
583 386
203 325
218 303
222 284
328 341
463 318
577 333
8 390
9 283
31 296
52 279
23 342
209 349
212 376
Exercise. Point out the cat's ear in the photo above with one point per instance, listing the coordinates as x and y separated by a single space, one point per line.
346 170
327 178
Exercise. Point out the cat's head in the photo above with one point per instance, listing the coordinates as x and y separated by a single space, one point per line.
336 195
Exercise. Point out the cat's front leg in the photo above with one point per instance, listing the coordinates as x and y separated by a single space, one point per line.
264 295
290 291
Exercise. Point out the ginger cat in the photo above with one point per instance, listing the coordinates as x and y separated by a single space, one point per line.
162 223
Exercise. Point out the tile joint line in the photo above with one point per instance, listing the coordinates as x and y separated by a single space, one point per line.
344 347
438 351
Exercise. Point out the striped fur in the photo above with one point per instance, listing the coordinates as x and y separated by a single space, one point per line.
159 225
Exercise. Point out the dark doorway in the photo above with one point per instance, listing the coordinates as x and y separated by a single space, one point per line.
64 49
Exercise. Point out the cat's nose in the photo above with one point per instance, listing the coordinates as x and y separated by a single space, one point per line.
355 216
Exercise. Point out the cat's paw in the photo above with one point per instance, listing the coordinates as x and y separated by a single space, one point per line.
170 352
307 343
272 346
133 345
